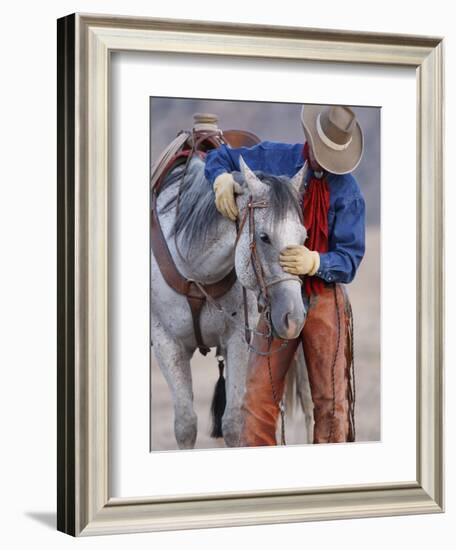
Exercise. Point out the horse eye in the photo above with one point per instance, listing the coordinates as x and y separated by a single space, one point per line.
265 238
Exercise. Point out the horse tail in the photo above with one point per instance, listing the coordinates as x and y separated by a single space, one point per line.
298 392
291 390
218 402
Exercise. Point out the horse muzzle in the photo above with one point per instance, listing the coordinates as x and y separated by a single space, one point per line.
288 328
288 314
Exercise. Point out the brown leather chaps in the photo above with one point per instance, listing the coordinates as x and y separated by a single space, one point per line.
325 340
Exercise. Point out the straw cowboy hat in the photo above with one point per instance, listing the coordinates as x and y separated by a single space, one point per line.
335 136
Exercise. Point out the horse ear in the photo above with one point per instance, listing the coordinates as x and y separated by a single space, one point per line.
255 185
299 179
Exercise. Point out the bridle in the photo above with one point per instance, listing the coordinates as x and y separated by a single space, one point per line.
257 266
263 283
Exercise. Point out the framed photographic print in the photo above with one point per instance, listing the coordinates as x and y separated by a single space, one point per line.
250 240
204 243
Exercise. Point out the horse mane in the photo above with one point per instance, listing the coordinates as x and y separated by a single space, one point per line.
198 217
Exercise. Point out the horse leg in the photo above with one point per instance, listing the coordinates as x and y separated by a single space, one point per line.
235 374
303 390
174 362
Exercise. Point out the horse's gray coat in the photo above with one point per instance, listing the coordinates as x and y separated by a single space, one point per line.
205 241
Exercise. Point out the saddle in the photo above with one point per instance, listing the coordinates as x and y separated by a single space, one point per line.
205 135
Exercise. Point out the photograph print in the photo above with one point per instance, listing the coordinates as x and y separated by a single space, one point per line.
264 274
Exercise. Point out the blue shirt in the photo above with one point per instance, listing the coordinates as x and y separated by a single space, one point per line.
346 214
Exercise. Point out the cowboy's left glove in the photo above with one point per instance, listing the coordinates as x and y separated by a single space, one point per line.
299 260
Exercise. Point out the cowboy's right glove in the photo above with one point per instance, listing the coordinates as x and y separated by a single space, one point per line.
225 187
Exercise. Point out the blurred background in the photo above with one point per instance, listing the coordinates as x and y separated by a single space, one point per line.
281 122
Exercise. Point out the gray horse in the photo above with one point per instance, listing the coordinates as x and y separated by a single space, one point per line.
202 244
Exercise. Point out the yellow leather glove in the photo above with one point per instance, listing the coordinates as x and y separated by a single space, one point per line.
225 187
299 260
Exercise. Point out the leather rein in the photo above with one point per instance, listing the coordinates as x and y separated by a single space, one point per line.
258 270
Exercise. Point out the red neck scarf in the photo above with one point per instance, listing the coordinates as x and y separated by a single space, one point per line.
315 210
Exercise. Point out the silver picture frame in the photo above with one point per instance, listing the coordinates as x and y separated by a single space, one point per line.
85 44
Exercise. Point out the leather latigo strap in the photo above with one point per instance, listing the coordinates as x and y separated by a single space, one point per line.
179 283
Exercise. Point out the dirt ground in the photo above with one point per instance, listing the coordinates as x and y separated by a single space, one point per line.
364 293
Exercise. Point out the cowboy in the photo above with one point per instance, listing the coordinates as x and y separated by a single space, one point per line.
334 216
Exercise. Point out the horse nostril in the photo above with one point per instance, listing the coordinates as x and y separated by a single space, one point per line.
289 321
291 326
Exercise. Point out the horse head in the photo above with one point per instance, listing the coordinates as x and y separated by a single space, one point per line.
271 218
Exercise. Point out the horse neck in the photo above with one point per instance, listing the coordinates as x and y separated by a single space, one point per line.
206 263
